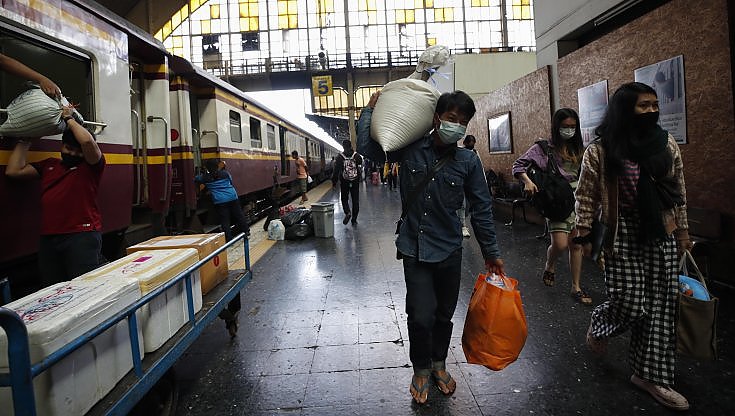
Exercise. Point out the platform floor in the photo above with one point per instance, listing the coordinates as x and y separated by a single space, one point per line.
323 332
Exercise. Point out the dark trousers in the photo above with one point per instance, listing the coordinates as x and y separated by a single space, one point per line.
432 290
228 210
225 211
350 189
392 184
62 257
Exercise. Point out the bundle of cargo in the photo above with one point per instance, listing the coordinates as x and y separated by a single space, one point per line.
167 313
213 272
54 317
405 111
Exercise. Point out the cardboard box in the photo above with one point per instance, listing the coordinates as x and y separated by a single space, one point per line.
212 273
164 315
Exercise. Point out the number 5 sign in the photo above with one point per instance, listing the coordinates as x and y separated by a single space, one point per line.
321 86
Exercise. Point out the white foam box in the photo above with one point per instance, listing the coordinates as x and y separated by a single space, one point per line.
166 313
213 272
54 317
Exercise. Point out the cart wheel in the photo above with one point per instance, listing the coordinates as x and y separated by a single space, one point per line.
161 400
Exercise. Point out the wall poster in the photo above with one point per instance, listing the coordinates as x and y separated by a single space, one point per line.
592 106
500 138
667 78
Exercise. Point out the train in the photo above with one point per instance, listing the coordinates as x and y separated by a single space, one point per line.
156 117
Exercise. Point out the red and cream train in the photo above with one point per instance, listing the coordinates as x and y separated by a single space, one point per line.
156 118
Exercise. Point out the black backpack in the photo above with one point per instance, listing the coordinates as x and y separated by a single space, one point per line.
555 197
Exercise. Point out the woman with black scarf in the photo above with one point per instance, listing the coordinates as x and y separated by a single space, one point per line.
632 180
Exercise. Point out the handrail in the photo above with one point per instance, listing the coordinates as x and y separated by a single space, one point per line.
166 154
19 363
98 127
21 374
136 150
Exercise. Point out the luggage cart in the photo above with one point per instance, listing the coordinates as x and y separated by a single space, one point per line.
147 371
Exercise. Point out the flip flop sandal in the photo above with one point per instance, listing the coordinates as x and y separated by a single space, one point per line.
444 380
548 278
420 390
582 297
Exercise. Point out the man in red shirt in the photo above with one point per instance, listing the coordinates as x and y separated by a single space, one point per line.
71 225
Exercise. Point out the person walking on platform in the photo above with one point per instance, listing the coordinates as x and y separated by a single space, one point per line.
347 172
430 236
302 173
71 223
227 204
393 176
468 143
634 176
566 147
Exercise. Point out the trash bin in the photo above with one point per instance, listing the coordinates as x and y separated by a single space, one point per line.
322 213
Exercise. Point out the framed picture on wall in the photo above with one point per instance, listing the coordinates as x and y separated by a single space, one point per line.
667 78
500 139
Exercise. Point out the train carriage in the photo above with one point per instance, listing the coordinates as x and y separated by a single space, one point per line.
155 116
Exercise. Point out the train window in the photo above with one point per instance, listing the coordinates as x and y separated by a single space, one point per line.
271 132
255 138
235 127
69 69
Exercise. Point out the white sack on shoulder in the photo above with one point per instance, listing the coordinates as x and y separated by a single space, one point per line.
404 113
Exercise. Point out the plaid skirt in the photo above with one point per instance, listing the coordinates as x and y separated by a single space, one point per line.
642 284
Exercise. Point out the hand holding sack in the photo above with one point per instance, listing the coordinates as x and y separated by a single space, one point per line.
495 328
35 114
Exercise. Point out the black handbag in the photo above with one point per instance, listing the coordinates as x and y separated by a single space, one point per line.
555 197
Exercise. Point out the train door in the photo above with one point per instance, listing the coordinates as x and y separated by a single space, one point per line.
183 196
154 146
137 112
196 138
285 156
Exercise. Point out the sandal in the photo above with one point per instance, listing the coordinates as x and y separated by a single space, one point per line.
582 297
446 381
548 278
420 394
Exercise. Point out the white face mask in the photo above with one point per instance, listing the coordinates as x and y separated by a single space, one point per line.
567 132
449 132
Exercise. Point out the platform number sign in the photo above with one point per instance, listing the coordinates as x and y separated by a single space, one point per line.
321 85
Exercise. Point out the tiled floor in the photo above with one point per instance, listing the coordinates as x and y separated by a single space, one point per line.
323 332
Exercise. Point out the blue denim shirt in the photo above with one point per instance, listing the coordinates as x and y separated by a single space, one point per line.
432 229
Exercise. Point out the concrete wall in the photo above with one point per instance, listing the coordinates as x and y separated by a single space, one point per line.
674 29
527 99
478 74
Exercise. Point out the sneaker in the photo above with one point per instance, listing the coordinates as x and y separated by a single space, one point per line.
465 232
347 218
665 395
354 222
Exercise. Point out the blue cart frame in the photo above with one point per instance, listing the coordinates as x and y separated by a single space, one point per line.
147 371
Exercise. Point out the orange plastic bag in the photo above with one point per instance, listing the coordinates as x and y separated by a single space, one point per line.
495 328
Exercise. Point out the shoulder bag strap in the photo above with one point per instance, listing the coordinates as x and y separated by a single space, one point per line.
436 168
550 157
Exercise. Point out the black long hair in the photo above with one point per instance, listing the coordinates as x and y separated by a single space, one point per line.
571 148
213 171
618 125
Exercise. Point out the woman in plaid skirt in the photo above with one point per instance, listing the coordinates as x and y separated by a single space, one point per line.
632 180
